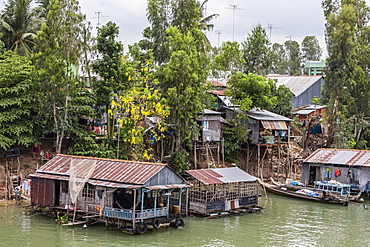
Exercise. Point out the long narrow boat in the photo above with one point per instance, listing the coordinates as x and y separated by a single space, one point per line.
339 190
324 197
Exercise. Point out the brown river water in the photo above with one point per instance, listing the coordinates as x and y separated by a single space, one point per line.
283 222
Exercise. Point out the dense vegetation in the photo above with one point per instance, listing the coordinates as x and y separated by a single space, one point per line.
46 46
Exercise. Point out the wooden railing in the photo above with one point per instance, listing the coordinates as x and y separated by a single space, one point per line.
127 214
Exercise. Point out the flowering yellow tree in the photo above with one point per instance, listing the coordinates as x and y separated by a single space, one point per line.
133 106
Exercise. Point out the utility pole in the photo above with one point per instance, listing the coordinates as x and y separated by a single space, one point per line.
289 37
233 7
218 33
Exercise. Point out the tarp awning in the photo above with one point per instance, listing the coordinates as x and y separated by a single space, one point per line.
274 125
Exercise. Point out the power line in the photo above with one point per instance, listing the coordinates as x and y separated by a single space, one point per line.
233 7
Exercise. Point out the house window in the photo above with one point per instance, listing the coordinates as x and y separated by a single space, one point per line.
328 172
88 192
205 125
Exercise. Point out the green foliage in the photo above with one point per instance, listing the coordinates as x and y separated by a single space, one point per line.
346 84
293 57
183 84
256 52
235 134
186 15
228 60
17 100
311 50
179 158
284 97
251 91
58 53
62 219
110 68
19 23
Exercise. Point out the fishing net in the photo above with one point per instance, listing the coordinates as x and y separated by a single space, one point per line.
80 171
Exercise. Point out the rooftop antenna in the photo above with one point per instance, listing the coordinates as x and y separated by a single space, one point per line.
270 27
289 37
218 33
98 13
234 7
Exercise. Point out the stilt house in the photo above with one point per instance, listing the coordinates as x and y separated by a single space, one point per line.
131 195
221 189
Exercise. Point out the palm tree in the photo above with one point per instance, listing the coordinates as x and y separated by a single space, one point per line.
19 25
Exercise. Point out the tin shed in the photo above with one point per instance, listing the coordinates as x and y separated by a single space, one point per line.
221 189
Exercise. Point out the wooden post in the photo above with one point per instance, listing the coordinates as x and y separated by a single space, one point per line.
195 154
134 210
187 201
207 158
258 159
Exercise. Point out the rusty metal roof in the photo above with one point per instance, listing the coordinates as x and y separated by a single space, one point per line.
90 181
121 171
349 157
296 84
221 175
274 125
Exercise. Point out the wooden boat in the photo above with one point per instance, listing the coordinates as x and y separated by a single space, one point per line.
342 191
324 196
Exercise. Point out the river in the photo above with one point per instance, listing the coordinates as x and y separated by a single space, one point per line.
283 222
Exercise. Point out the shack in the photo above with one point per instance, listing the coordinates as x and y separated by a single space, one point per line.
221 189
130 195
347 166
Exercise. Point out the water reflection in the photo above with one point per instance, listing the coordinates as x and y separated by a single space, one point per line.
284 222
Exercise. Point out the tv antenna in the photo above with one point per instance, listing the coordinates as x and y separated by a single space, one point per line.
234 7
98 16
218 33
289 37
270 27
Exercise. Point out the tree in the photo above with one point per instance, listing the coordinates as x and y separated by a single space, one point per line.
184 88
293 57
187 15
251 91
19 25
311 50
228 60
110 68
340 33
278 63
284 97
256 52
17 100
58 53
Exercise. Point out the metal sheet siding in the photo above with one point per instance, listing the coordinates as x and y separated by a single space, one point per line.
347 157
221 175
42 191
274 125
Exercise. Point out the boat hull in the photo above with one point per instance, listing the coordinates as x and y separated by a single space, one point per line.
289 193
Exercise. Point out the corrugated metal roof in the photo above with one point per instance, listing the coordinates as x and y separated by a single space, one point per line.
296 84
221 175
121 171
218 92
265 115
274 125
303 112
349 157
92 182
168 186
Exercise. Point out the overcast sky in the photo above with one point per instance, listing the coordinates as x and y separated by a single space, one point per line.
288 19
